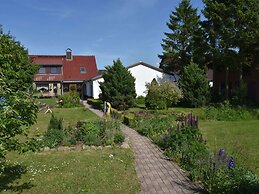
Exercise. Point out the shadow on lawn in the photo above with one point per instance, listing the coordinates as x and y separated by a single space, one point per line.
9 179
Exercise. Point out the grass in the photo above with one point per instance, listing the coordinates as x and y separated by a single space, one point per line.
85 171
239 138
48 101
109 170
69 115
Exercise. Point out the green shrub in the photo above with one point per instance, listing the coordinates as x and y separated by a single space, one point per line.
186 147
139 101
152 127
53 137
111 129
226 112
194 85
236 181
55 133
118 138
70 100
161 95
91 139
99 133
95 103
118 115
55 123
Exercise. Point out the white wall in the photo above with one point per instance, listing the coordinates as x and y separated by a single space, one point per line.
145 75
142 75
96 87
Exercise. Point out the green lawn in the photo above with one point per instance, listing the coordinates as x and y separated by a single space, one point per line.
86 171
239 138
69 115
48 101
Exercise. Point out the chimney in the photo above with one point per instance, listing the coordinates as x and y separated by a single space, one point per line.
69 56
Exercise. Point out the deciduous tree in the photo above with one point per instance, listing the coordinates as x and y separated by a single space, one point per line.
162 95
17 108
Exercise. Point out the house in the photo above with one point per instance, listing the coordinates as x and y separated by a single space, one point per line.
143 73
61 73
250 77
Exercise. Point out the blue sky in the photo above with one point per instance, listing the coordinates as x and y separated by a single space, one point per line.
131 30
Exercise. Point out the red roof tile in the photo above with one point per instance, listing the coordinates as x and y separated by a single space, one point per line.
71 69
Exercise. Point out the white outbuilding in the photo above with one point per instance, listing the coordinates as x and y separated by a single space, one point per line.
143 73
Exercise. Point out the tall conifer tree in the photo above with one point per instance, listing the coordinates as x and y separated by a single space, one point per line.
118 87
178 46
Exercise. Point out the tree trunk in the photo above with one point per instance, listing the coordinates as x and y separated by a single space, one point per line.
227 83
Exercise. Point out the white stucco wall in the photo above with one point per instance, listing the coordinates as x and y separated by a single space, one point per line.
96 87
143 75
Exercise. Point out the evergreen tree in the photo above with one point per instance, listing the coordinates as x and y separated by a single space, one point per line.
180 45
17 108
232 28
118 87
194 85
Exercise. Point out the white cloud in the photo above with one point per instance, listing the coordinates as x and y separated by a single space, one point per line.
56 12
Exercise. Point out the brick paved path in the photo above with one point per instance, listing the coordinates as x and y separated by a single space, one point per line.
156 173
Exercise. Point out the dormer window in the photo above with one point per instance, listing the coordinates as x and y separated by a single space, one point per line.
69 56
82 70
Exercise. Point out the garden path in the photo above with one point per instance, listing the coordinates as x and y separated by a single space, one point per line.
156 173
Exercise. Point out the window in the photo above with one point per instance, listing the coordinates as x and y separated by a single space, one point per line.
55 70
42 70
82 70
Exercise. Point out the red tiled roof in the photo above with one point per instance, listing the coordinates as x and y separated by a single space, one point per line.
47 60
71 69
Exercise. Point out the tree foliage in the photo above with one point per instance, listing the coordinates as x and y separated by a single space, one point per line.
233 32
194 85
118 87
17 109
161 95
183 42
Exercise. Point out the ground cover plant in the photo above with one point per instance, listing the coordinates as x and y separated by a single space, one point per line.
188 147
109 170
90 133
91 170
70 117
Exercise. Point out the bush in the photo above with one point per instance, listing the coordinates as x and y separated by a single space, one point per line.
194 85
96 103
161 95
140 101
186 147
226 112
53 137
230 181
70 100
100 133
55 133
